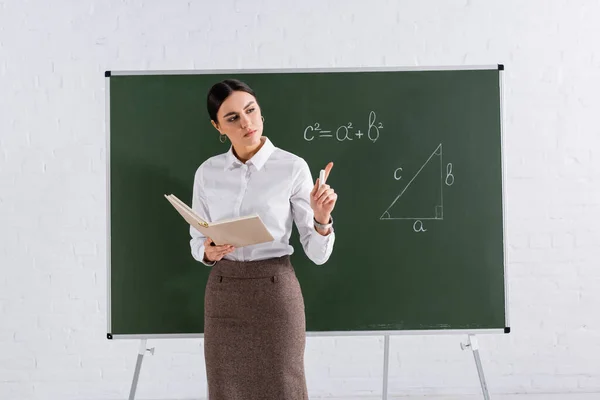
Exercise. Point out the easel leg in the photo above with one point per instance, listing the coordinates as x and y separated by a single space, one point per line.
475 348
138 366
386 364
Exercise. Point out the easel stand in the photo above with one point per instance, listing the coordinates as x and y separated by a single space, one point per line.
472 344
138 366
475 348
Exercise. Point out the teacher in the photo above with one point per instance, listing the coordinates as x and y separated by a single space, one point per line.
254 320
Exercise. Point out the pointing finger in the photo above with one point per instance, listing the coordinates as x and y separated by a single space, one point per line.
328 169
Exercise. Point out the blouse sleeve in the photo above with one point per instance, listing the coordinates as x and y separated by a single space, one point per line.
317 247
200 207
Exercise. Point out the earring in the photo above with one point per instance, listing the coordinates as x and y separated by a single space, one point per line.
222 138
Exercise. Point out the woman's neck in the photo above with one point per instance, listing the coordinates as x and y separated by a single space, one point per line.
246 153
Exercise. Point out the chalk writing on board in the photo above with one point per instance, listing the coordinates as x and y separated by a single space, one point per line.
449 176
422 197
418 226
346 131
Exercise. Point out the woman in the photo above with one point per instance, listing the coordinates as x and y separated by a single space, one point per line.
254 321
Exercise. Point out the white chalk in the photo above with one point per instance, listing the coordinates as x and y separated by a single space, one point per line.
322 177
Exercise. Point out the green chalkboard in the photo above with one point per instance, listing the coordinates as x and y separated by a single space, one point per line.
417 166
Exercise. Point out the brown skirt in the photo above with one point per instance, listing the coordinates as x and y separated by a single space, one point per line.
254 331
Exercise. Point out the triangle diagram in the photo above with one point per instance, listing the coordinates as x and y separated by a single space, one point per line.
421 198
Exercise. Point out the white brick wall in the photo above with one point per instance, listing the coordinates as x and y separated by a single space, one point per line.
52 174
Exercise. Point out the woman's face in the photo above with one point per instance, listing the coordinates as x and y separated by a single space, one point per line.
239 118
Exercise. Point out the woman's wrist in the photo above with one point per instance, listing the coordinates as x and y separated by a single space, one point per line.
323 219
323 224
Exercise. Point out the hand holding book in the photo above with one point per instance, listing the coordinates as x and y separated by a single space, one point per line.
213 252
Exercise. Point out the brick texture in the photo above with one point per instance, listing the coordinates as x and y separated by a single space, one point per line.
52 183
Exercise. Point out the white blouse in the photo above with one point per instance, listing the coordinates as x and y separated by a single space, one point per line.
274 183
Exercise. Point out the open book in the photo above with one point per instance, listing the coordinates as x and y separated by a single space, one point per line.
238 232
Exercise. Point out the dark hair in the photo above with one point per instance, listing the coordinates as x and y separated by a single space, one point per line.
220 91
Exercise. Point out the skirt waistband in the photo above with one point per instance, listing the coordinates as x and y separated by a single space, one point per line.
254 268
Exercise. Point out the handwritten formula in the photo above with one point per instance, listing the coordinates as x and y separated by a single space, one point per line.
345 132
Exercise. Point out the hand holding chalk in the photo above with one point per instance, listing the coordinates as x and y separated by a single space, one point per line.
323 197
321 178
